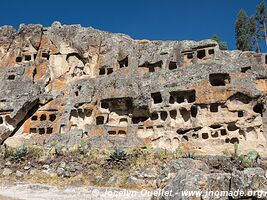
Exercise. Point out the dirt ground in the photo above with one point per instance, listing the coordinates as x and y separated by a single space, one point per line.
30 191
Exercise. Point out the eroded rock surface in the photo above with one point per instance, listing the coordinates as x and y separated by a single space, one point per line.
117 90
193 179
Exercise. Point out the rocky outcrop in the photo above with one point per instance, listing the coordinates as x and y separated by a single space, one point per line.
193 179
117 90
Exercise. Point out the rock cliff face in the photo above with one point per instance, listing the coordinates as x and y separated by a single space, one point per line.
116 90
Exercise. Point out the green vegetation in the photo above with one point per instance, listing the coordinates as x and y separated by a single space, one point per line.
118 155
235 150
118 159
189 155
222 45
248 160
245 31
21 152
98 166
251 30
261 17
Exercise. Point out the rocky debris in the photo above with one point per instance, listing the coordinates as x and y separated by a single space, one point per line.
64 170
185 175
72 87
98 178
147 174
45 167
75 166
33 172
176 165
219 163
147 171
7 172
132 179
112 180
60 171
27 167
62 164
8 163
19 173
249 180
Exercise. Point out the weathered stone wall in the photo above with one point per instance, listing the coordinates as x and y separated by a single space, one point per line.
129 92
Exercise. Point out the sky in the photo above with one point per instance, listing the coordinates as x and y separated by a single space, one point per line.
141 19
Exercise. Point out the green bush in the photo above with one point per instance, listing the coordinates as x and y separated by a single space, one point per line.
253 155
235 150
118 155
7 152
180 151
250 158
189 155
21 152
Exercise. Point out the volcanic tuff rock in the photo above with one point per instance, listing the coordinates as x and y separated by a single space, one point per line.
116 90
185 175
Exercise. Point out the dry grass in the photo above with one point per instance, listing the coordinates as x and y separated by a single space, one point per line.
44 178
95 164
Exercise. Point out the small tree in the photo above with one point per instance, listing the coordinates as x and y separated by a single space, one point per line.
252 32
222 45
261 18
243 32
